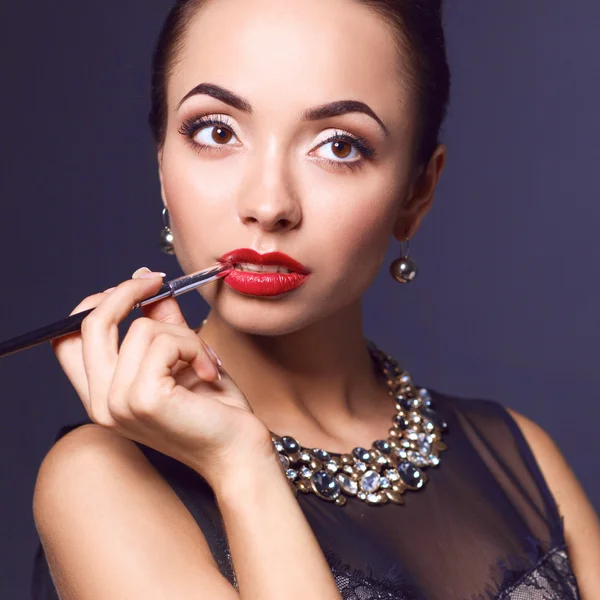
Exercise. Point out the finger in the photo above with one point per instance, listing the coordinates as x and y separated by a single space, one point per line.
155 371
100 334
164 311
132 353
68 349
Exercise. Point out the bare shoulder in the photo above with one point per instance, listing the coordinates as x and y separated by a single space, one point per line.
557 472
582 526
79 443
112 527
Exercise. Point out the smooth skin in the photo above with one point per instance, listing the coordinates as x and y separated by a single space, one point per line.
110 525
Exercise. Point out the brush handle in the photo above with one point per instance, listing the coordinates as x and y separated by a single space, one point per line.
44 334
71 324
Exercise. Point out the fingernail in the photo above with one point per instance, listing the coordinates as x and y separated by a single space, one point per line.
109 290
215 355
140 272
146 273
219 362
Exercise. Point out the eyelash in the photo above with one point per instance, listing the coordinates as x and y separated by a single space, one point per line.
191 126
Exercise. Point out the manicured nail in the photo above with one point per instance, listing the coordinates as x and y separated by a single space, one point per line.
219 362
211 351
146 273
140 272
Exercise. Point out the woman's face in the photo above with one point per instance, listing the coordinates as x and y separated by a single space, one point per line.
323 188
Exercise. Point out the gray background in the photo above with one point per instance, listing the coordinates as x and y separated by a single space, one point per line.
505 305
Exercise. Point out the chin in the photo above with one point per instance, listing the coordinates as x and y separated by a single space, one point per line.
271 316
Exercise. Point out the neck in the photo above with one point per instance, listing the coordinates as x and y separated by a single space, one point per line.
317 384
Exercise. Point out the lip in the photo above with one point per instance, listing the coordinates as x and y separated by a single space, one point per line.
247 255
264 284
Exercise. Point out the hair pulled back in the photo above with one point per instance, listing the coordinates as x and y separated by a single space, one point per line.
419 34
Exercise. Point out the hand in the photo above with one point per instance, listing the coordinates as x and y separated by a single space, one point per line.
164 387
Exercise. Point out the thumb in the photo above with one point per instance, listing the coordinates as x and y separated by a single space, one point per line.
163 311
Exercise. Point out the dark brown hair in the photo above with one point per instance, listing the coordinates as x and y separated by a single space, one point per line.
417 28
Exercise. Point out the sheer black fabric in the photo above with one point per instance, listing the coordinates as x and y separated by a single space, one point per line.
484 526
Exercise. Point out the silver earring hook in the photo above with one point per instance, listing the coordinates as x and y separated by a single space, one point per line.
407 242
165 216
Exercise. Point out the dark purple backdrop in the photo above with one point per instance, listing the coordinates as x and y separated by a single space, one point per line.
505 306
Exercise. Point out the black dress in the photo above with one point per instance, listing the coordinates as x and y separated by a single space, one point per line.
484 526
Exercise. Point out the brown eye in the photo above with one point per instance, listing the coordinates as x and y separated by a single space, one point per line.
221 135
341 149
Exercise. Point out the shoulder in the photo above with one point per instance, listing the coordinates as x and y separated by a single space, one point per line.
543 447
76 443
78 449
88 453
581 524
501 425
90 459
87 457
92 465
557 472
100 507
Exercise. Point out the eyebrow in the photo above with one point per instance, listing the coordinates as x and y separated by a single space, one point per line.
317 113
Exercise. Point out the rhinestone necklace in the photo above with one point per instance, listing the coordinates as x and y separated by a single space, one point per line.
383 473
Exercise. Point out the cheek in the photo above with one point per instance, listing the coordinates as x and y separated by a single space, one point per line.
356 228
193 183
197 193
368 233
361 246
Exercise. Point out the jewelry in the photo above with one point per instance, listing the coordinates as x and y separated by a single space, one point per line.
404 269
383 473
165 242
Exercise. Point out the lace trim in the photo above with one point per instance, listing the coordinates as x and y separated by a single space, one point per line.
359 584
550 578
534 563
224 561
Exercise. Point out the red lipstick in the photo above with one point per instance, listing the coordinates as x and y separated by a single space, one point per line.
247 278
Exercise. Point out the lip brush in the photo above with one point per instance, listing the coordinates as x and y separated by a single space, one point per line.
173 288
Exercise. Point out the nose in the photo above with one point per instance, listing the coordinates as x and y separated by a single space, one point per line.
267 199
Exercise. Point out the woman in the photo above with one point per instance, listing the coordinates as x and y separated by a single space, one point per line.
261 456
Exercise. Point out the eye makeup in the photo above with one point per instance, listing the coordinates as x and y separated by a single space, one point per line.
360 143
191 126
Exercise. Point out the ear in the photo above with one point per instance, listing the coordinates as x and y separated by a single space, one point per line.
420 196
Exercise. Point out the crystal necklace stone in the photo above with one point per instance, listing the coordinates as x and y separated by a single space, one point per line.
349 486
325 485
413 477
321 454
383 446
384 472
361 454
370 481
